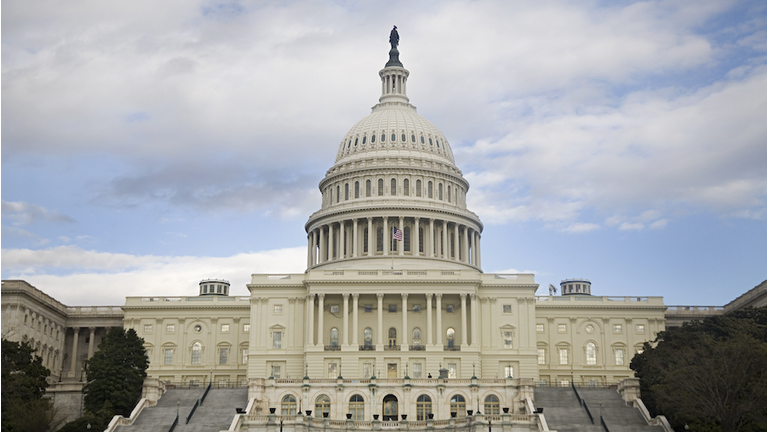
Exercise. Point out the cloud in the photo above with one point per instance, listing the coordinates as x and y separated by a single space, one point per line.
22 213
581 227
627 226
99 278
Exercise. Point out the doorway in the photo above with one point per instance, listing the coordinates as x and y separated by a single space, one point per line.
390 408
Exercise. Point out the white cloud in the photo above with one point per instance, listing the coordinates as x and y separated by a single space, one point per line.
659 224
99 278
22 213
627 226
581 227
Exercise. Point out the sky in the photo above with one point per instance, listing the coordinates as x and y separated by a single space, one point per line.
148 145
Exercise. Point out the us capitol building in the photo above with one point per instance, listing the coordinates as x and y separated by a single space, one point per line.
393 317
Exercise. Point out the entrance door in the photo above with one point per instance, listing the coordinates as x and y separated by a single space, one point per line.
390 408
392 370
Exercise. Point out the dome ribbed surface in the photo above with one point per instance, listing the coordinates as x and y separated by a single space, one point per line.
400 120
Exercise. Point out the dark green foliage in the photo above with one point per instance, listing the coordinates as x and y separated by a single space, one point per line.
23 386
708 374
116 373
98 421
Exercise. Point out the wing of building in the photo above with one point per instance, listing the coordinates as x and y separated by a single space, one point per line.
394 315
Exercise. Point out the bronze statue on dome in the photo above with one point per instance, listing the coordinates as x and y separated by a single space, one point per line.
394 38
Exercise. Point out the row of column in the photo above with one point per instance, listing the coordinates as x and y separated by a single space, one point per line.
333 241
75 340
344 336
393 83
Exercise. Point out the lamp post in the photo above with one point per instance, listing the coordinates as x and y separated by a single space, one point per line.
489 426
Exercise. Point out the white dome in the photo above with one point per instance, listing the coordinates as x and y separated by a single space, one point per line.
412 133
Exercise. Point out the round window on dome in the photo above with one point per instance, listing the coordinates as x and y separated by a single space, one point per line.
413 138
356 141
373 138
394 138
422 140
430 141
349 144
402 137
383 137
364 139
438 143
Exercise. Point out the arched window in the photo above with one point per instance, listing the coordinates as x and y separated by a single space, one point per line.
357 407
365 240
393 187
346 191
429 189
421 239
356 141
418 188
373 138
402 137
407 239
423 407
322 405
451 335
364 139
413 138
334 337
455 195
491 405
422 140
368 337
357 189
338 193
417 337
393 138
440 191
392 337
458 406
379 239
383 137
406 187
591 351
381 187
448 189
197 352
367 188
289 405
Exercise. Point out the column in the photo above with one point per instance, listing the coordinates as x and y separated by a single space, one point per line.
401 244
342 239
321 251
315 241
93 336
354 238
73 363
415 234
330 241
311 319
479 261
475 342
439 311
429 319
309 249
354 320
465 246
455 242
345 326
379 339
445 240
474 248
320 313
385 237
431 245
371 246
404 296
463 318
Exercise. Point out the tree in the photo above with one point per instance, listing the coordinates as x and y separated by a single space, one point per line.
116 373
708 374
24 380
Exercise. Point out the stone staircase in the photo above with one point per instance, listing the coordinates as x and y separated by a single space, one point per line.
564 413
214 415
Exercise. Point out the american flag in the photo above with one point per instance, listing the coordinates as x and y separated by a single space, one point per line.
398 235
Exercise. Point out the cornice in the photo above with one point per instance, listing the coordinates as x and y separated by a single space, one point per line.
374 170
324 214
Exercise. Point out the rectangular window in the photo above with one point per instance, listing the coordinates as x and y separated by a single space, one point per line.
275 371
170 328
562 328
542 356
540 328
367 370
452 370
506 309
617 328
278 309
392 308
244 355
368 308
509 371
449 308
640 328
225 328
416 308
246 328
169 356
147 328
507 340
334 308
333 370
563 356
417 370
618 354
223 354
277 339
